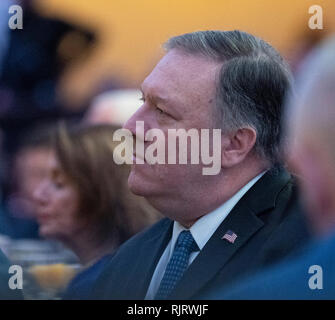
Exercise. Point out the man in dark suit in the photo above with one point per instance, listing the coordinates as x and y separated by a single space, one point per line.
310 122
228 223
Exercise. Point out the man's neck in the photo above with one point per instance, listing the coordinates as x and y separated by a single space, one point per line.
235 179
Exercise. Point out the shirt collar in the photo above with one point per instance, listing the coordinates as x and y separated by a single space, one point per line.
205 227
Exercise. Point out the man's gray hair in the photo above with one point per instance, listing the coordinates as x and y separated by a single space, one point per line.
252 83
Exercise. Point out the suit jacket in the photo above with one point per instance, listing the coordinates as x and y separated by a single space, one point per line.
292 279
81 285
5 292
268 225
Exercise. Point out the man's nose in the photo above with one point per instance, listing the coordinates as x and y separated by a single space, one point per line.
139 120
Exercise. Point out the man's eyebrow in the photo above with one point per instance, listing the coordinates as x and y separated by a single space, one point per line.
166 101
154 97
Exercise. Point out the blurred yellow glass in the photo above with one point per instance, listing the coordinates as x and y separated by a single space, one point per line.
53 276
47 267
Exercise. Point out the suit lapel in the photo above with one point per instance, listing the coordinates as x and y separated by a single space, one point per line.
218 251
150 253
243 221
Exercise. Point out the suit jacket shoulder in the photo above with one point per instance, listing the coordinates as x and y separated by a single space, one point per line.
290 280
133 264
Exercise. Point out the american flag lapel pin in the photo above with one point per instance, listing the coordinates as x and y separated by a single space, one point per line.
230 236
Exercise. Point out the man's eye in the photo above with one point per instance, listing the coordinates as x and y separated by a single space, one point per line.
160 111
142 99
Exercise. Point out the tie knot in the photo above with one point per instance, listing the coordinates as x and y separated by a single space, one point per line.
186 240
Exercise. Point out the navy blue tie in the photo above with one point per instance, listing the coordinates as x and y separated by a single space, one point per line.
177 265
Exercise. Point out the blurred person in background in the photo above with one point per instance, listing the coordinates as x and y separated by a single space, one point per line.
310 118
5 291
113 107
4 30
4 36
304 44
85 202
27 169
34 61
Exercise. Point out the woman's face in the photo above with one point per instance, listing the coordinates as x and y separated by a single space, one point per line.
57 202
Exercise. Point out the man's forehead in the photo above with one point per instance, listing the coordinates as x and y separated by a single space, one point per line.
178 70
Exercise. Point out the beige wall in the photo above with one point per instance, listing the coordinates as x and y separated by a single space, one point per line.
131 31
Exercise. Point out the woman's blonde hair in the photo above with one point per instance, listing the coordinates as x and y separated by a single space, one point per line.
106 204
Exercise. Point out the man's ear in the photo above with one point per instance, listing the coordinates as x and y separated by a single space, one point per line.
237 145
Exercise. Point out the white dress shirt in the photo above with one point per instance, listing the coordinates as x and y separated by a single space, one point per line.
201 230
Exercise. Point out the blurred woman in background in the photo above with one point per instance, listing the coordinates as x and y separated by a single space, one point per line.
85 202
